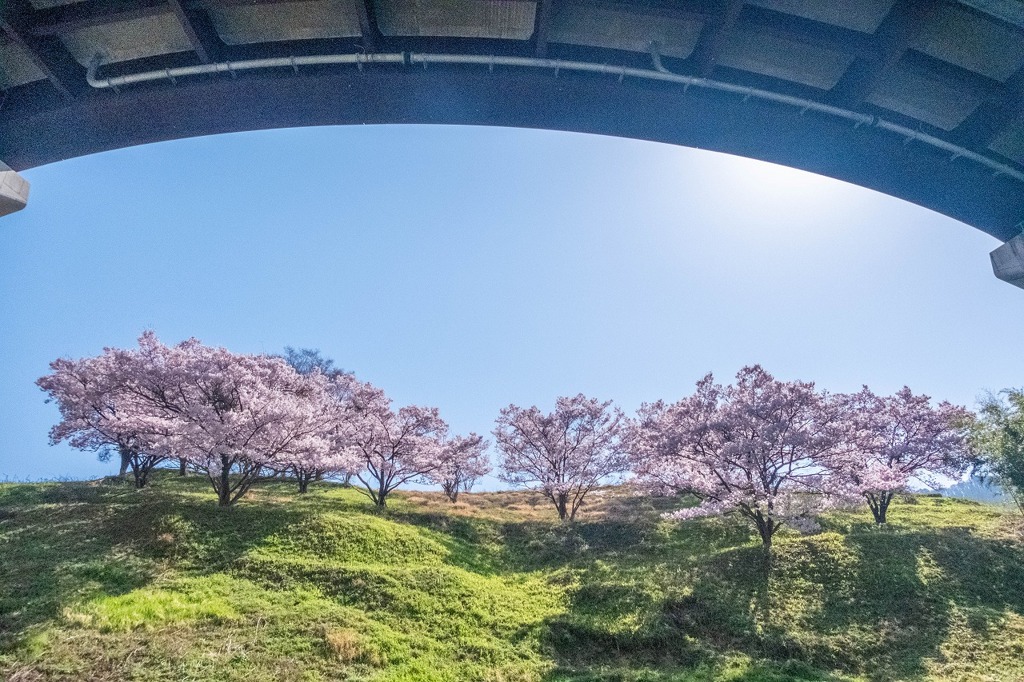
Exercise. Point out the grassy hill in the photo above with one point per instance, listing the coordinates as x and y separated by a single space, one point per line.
101 582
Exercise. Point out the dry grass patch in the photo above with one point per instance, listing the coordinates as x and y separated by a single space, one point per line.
344 644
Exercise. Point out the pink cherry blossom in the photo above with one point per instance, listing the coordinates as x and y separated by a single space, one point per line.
565 453
463 459
393 447
97 414
897 439
236 417
756 448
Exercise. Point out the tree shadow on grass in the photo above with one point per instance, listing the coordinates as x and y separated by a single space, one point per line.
632 607
708 671
64 543
472 543
620 628
907 586
823 603
878 603
490 546
618 543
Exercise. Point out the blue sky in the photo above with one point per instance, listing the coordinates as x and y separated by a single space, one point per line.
468 268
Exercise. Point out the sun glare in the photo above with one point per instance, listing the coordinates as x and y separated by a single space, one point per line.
776 186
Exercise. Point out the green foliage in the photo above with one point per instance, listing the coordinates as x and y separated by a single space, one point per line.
180 602
99 581
356 538
999 440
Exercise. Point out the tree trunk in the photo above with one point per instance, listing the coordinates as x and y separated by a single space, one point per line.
885 505
562 505
766 537
140 473
224 493
766 529
126 461
131 461
1018 500
181 467
879 505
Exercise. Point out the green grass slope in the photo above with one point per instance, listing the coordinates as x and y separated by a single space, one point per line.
102 582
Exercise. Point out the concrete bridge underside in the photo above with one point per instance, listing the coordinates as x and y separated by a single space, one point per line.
923 100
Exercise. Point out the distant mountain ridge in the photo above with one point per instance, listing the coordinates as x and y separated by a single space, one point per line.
977 490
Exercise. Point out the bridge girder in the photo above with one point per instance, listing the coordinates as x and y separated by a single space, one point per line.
940 83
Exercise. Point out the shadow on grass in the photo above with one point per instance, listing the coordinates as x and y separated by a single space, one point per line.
632 606
905 590
474 544
491 546
733 670
620 528
645 600
69 542
878 603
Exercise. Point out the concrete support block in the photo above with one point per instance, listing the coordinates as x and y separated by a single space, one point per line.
1008 261
13 191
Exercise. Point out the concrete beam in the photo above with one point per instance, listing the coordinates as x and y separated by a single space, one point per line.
541 27
368 25
13 191
1008 261
894 37
523 98
76 16
199 30
48 53
714 36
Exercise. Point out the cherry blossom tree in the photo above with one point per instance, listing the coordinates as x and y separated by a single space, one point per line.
316 466
756 448
463 459
896 439
394 447
235 417
565 453
97 413
340 462
327 449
